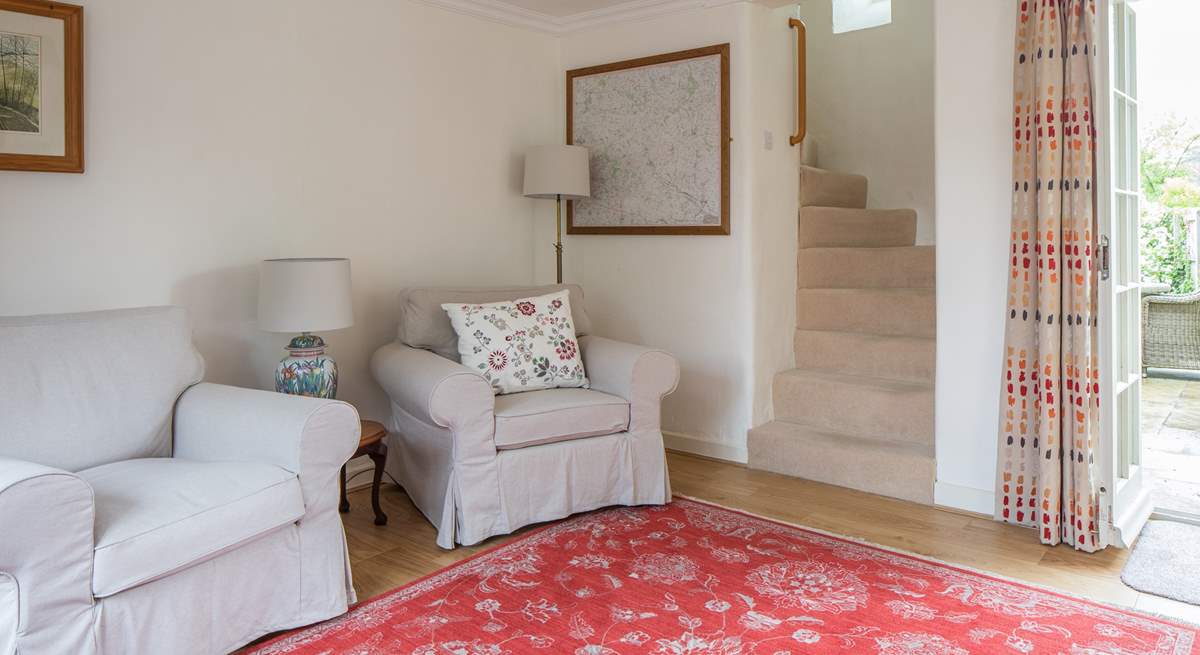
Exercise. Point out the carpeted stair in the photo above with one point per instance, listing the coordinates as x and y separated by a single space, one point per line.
857 411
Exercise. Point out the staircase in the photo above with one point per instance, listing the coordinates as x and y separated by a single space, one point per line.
857 411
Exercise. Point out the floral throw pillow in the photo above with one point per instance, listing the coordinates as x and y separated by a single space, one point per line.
520 345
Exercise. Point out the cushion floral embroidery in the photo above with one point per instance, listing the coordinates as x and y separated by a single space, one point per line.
520 345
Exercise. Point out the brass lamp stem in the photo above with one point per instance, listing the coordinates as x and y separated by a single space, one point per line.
558 246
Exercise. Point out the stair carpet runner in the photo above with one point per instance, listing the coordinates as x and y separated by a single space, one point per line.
857 411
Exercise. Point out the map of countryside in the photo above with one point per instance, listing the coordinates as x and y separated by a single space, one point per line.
655 138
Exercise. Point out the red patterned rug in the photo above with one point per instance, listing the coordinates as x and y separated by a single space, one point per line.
695 578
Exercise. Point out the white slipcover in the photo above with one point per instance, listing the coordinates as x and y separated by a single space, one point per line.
156 516
144 512
537 417
479 465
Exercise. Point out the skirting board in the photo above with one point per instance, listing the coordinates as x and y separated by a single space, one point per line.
979 501
699 446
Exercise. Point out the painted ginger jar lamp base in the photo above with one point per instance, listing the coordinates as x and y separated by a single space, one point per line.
307 370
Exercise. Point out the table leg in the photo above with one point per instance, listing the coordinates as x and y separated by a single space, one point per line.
378 455
344 505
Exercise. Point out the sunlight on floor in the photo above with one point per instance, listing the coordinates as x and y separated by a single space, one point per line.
1171 442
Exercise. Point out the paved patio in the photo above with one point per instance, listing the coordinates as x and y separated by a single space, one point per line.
1171 442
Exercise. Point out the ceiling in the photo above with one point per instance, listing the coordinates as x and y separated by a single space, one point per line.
565 16
564 8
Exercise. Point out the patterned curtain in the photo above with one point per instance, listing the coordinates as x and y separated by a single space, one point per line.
1050 414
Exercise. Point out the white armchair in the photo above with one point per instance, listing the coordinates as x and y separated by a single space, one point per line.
142 511
479 465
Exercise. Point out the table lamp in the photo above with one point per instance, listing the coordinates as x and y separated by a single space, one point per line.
305 296
557 172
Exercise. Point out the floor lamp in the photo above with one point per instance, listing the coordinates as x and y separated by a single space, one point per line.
559 172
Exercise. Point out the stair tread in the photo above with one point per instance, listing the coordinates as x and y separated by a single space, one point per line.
892 291
793 427
872 335
821 225
866 249
862 211
829 171
834 377
820 187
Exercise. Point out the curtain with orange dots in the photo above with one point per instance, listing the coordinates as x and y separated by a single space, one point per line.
1050 417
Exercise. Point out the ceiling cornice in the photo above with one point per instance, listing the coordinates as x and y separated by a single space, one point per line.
634 10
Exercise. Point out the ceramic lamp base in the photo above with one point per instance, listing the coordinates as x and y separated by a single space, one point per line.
307 370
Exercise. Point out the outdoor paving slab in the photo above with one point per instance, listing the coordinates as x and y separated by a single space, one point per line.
1175 495
1173 440
1184 418
1170 434
1172 466
1163 390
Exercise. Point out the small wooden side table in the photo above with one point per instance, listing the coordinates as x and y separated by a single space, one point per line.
370 444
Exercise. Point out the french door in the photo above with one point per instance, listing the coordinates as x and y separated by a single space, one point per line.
1125 502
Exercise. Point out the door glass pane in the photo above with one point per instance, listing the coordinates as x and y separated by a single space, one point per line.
1121 370
1119 250
1118 37
1121 143
1121 431
1131 51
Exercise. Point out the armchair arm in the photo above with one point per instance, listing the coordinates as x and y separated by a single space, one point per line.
47 523
310 437
434 389
640 375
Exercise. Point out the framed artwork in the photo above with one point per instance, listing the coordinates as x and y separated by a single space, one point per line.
41 86
658 133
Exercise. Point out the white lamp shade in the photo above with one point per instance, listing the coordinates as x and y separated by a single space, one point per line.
552 171
304 295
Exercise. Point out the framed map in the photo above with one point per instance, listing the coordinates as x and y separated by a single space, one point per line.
657 129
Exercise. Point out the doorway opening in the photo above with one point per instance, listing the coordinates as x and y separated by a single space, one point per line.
1168 127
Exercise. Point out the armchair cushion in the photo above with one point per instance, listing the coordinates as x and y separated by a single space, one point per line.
159 515
538 417
424 324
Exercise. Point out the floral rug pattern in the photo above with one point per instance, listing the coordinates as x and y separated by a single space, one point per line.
693 578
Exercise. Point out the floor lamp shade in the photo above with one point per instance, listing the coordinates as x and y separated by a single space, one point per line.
306 296
557 171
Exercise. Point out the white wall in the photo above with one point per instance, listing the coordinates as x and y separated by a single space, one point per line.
775 198
223 132
973 179
870 104
708 299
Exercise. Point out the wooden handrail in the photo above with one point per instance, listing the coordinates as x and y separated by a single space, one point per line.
801 81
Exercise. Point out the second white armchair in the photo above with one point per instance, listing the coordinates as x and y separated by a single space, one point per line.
479 465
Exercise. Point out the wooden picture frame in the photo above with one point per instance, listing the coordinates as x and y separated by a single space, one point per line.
60 121
721 52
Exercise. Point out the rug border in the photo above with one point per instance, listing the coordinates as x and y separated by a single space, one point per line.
1177 622
963 568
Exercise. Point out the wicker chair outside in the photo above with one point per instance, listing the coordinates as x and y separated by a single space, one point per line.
1171 331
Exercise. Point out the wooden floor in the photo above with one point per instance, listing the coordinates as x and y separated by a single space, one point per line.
386 557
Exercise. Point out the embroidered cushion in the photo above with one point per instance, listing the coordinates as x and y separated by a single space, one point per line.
520 345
